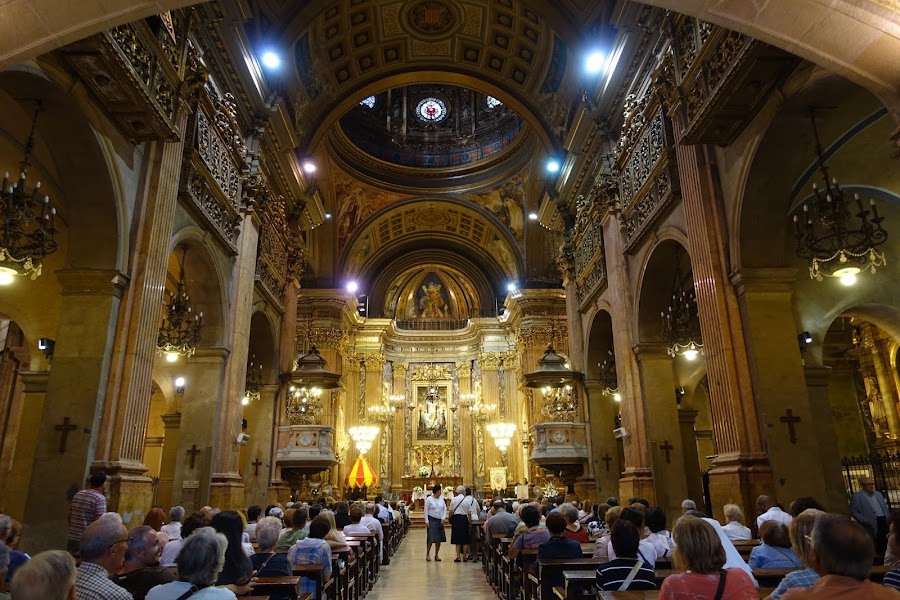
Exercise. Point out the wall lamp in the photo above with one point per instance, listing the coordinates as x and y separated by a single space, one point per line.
804 340
47 345
179 386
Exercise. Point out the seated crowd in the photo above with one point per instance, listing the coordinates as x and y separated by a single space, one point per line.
815 554
205 555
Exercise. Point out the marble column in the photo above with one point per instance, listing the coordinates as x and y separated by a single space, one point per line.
658 383
259 415
131 374
374 365
741 471
817 383
171 435
779 383
76 389
637 476
601 417
227 485
398 437
204 375
686 420
888 399
278 490
490 389
34 396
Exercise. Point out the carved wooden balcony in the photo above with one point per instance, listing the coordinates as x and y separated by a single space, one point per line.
305 449
135 72
559 446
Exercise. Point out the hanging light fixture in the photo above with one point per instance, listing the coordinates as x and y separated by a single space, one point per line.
502 433
556 382
681 322
307 384
27 221
180 330
608 378
836 237
253 382
363 436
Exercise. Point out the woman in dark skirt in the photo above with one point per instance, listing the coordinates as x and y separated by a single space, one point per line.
435 514
461 508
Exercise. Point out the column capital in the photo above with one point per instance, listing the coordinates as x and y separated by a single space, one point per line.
490 360
209 354
817 376
764 280
35 382
171 421
92 282
644 350
687 415
374 362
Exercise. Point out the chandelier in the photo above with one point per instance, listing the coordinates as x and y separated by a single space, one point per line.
27 222
363 436
180 330
556 382
253 383
681 322
608 378
307 384
836 241
502 433
384 412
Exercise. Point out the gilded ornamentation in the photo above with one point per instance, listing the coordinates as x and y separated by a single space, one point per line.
464 369
431 18
490 360
327 338
430 372
374 362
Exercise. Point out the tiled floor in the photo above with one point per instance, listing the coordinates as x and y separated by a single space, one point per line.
409 577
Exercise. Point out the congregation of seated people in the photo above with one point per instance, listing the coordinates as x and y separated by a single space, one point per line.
207 555
801 552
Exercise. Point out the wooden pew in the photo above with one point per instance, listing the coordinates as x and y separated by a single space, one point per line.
547 568
314 572
279 585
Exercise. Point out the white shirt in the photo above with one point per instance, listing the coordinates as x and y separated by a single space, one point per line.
436 508
645 548
173 530
774 514
463 505
662 542
170 553
373 525
176 588
736 532
352 529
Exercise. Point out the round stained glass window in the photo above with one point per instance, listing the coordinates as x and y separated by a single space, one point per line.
492 102
369 101
431 109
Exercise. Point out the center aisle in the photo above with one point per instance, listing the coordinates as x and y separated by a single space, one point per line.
409 577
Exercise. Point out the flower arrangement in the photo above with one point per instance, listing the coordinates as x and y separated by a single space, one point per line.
424 471
418 489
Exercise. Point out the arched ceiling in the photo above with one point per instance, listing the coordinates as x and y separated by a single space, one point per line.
460 226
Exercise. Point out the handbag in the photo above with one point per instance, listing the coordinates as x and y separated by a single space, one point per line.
194 589
634 571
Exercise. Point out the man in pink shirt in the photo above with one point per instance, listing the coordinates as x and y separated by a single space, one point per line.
86 507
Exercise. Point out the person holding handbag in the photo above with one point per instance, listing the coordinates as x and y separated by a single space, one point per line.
700 557
460 514
201 559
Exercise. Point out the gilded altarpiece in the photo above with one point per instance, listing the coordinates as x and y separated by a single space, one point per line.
432 426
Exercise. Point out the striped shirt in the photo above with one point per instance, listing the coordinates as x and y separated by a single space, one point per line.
87 506
892 579
807 577
611 575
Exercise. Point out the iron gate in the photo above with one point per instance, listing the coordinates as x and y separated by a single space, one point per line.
883 467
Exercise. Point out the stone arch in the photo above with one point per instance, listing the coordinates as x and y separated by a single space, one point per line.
205 282
655 285
263 345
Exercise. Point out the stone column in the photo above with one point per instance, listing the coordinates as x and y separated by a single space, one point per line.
129 387
490 390
601 417
34 396
278 490
76 389
171 435
686 420
817 380
658 383
227 486
637 477
374 365
741 471
260 415
204 377
766 303
888 399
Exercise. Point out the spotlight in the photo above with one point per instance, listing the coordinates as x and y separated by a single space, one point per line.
47 345
352 286
593 64
806 337
327 216
533 216
511 287
309 166
271 60
7 275
553 166
171 356
691 354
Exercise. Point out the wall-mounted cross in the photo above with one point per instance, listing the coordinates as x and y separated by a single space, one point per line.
193 452
667 448
607 459
64 428
256 464
791 420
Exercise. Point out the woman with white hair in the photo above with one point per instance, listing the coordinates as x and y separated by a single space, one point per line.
199 563
173 527
460 517
48 576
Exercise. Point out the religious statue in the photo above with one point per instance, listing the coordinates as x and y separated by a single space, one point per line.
432 415
431 303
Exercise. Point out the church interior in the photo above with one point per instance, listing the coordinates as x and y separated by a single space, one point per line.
605 247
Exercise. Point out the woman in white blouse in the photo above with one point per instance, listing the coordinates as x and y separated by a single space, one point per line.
435 515
734 529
